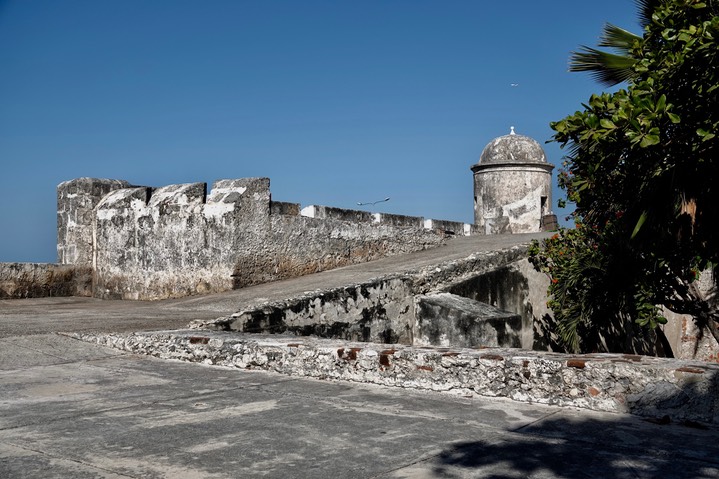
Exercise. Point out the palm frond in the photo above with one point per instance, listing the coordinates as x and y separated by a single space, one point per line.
617 38
608 69
646 9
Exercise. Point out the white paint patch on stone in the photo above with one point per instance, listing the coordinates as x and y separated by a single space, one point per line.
217 194
161 195
113 197
377 217
309 211
428 224
217 210
529 205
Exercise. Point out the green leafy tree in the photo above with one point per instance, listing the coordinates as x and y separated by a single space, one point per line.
641 168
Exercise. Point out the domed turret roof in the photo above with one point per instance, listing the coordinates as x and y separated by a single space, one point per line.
512 148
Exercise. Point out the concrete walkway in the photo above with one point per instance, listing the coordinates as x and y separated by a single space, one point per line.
73 410
70 409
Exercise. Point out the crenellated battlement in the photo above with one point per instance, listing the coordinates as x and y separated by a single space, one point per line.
76 201
189 198
149 243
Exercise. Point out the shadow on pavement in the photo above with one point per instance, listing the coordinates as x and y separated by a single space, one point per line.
606 447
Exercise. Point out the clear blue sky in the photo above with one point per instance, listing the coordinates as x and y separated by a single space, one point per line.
337 102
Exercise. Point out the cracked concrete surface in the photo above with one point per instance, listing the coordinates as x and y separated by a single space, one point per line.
80 410
83 410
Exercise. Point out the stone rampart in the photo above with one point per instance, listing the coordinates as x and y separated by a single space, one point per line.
619 383
139 242
451 227
37 280
154 243
516 287
301 245
445 319
174 241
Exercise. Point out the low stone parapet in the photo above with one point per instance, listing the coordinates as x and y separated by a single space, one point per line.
285 208
641 385
448 227
39 280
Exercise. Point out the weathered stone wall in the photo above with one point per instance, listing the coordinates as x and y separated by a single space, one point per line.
153 243
379 311
174 241
76 201
692 342
38 280
302 245
620 383
452 227
686 339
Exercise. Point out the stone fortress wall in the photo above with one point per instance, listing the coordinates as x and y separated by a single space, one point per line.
153 243
118 241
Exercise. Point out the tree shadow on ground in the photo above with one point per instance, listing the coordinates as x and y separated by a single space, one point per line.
569 444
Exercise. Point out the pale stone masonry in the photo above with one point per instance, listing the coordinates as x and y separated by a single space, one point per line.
179 240
119 241
76 202
621 383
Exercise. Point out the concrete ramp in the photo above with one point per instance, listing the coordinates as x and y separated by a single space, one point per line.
383 309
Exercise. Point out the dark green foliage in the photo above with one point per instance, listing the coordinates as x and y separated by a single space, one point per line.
642 169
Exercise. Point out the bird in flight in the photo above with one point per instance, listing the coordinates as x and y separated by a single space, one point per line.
514 84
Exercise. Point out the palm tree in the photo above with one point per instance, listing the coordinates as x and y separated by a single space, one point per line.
610 69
